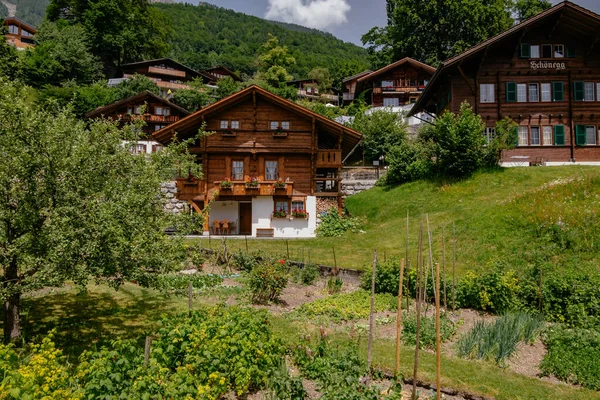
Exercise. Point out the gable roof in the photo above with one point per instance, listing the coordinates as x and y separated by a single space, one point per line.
105 110
356 76
235 76
405 60
165 135
559 9
16 20
208 76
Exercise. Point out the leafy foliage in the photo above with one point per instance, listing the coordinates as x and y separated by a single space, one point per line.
334 225
267 281
573 356
382 130
307 274
191 99
427 335
528 8
407 162
178 284
31 11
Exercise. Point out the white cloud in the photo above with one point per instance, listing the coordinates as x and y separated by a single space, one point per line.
319 14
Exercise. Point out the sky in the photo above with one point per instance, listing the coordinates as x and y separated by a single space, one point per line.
346 19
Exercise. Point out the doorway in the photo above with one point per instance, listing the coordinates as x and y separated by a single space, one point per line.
245 218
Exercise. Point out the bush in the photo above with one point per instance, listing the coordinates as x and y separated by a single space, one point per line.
334 225
573 356
267 281
407 162
307 274
178 284
427 335
496 291
334 285
243 261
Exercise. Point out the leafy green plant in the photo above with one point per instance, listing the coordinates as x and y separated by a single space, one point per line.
334 225
427 335
178 284
267 281
243 261
307 274
334 285
573 356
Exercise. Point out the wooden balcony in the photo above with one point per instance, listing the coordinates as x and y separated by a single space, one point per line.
166 71
348 96
329 158
190 189
162 119
263 189
398 89
170 85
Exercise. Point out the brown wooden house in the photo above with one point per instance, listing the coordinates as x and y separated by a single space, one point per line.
268 164
19 33
309 89
349 87
544 74
222 72
155 111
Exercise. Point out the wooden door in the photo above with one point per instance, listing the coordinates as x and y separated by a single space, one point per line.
245 218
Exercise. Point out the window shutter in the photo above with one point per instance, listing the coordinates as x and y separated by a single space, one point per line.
571 52
525 50
559 135
580 139
558 91
511 92
579 91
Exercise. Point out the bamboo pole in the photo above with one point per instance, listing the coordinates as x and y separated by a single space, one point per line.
453 266
147 350
444 264
246 239
438 336
372 315
418 306
399 318
407 259
430 258
190 296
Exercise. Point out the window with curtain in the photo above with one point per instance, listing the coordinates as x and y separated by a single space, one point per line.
546 92
235 124
298 205
547 136
224 124
589 91
271 173
487 93
489 133
534 51
535 135
523 136
282 205
391 102
237 170
534 92
590 135
521 93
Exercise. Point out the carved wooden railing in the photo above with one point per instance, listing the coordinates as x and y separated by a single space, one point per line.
329 158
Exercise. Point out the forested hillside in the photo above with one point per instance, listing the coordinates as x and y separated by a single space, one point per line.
31 11
205 36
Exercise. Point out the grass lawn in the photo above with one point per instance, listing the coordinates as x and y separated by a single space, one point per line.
506 216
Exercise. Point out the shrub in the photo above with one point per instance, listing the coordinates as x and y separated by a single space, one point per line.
427 335
495 291
334 225
498 340
407 162
243 261
267 281
307 274
573 356
177 284
334 285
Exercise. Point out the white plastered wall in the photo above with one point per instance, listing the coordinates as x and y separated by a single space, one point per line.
262 208
221 210
298 227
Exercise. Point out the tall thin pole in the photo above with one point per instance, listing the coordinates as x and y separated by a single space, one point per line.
431 256
190 296
419 294
407 259
453 267
444 264
372 315
399 318
438 336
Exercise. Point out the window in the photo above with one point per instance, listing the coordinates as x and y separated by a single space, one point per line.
559 51
534 92
139 148
521 93
558 91
559 135
391 102
224 124
271 173
297 206
282 205
584 91
525 50
137 110
159 127
386 84
535 51
237 170
235 124
589 91
571 52
26 33
523 136
598 91
274 125
162 111
535 135
487 93
156 148
590 135
546 92
580 135
547 135
285 125
511 92
547 51
489 134
14 29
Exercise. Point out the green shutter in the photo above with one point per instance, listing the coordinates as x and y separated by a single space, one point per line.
580 135
525 50
511 92
558 91
579 91
571 52
559 135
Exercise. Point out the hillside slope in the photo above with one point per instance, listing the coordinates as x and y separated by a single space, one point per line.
206 36
30 11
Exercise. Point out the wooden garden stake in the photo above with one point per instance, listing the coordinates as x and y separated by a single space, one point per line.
453 267
430 258
190 296
418 305
438 338
407 260
334 259
399 318
444 264
147 350
372 315
246 239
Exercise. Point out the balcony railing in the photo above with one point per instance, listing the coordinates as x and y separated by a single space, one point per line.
264 188
348 96
329 158
398 89
149 118
188 189
166 71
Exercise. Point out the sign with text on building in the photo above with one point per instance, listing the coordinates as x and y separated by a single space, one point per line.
547 65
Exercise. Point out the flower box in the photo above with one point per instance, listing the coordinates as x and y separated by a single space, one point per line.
226 184
300 214
228 133
279 215
279 133
279 185
253 183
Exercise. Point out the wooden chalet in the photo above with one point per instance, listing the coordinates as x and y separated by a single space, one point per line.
19 33
267 166
155 111
395 85
309 89
221 72
349 87
544 74
168 74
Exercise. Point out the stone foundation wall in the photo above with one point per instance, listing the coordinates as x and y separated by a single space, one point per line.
169 190
356 180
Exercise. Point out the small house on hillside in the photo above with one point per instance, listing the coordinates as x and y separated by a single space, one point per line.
155 111
271 166
544 74
222 72
168 74
349 87
309 89
19 33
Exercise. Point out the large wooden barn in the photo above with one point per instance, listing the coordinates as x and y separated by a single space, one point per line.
543 73
269 168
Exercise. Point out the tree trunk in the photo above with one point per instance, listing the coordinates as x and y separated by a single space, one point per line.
12 307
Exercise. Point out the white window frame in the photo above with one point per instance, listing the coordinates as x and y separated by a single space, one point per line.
487 93
558 51
521 93
285 208
523 136
546 92
547 133
234 124
535 99
591 132
236 173
274 125
535 51
271 170
387 84
489 133
395 102
533 138
285 125
588 91
224 124
302 208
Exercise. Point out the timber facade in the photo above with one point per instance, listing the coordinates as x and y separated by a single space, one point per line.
267 164
544 74
19 34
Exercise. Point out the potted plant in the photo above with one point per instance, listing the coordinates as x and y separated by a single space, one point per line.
279 214
226 184
299 213
279 132
253 183
280 184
